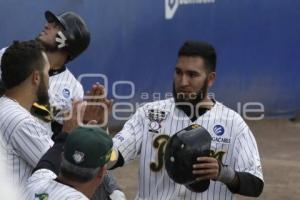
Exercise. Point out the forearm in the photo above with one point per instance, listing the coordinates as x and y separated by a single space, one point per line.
110 184
242 183
52 158
247 184
56 128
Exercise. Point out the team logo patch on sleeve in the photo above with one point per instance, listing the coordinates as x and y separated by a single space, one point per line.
43 196
119 137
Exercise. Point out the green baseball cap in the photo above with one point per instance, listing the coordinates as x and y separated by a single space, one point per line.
88 147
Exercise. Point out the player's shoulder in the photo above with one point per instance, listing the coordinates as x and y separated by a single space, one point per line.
230 118
42 182
64 85
14 115
225 112
73 79
65 75
41 174
9 109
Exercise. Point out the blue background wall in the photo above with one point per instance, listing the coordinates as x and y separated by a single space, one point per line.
258 43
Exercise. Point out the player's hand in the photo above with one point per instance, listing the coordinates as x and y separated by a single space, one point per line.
74 118
206 168
98 106
117 195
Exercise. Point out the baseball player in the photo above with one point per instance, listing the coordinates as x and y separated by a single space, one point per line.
24 69
64 37
86 151
233 165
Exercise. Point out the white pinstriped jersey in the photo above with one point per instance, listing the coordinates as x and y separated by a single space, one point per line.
147 132
25 139
63 87
7 189
41 185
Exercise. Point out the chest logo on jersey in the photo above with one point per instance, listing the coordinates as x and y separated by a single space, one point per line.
219 131
66 93
43 196
155 116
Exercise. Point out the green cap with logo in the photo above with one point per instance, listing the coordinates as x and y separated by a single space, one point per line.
88 147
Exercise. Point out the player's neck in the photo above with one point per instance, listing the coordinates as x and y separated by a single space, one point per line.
197 109
56 59
206 103
21 96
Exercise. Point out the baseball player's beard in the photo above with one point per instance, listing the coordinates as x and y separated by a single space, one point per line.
191 106
193 99
48 47
42 93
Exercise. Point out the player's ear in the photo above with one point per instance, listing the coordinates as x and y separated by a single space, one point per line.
211 78
36 77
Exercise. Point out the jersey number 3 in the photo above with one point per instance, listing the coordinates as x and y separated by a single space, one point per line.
159 144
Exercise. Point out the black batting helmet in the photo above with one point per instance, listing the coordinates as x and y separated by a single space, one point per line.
75 37
181 153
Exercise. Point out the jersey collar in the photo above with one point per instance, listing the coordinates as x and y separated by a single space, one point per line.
53 72
201 111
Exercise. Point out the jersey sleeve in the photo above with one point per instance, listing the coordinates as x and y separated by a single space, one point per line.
129 140
31 141
246 153
79 92
41 174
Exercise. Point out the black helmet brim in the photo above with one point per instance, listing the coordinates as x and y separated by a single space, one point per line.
51 17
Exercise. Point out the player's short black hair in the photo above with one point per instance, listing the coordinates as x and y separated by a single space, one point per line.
19 61
201 49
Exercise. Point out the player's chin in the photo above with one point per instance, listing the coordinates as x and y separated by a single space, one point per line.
40 38
43 38
187 97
